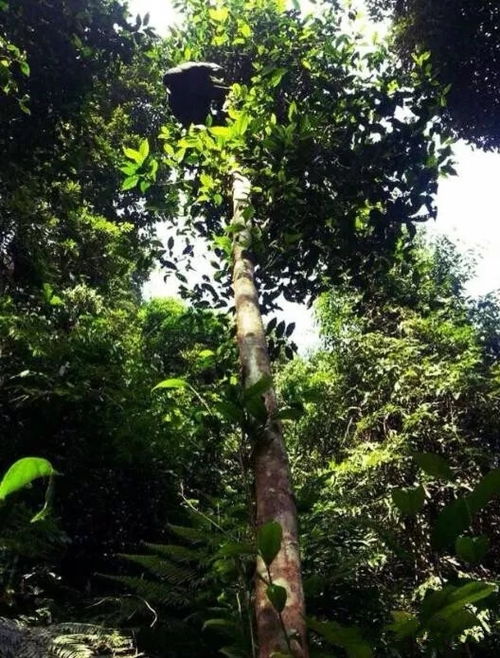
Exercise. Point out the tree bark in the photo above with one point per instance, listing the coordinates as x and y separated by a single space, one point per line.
273 490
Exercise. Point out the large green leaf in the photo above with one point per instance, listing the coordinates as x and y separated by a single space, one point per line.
137 156
223 625
259 388
257 409
472 549
170 383
409 501
404 624
444 603
236 549
269 538
277 595
218 14
452 625
347 637
450 523
457 516
144 149
486 489
23 472
433 465
229 411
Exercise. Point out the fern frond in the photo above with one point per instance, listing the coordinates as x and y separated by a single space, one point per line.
190 534
154 591
63 641
171 572
177 552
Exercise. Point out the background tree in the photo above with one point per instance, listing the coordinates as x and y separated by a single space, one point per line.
315 124
343 149
462 40
405 369
79 354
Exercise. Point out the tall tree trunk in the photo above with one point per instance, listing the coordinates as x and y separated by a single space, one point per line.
273 491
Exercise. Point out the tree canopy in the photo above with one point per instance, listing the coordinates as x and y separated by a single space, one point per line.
127 499
335 137
463 42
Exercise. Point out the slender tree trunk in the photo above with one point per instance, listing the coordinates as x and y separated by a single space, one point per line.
273 491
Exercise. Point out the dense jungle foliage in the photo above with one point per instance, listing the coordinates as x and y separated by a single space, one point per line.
139 511
470 73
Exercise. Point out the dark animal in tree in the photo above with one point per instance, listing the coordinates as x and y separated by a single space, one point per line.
194 90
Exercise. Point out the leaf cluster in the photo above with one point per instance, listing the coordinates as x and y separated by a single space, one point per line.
469 75
339 144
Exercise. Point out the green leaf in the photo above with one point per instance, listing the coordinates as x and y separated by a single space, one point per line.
433 465
451 522
224 243
48 291
487 488
452 625
269 538
404 624
241 124
130 168
277 595
144 149
219 14
457 516
446 602
170 383
133 155
276 77
257 409
408 501
50 296
130 182
259 388
472 549
23 106
225 625
206 180
205 354
236 549
220 131
186 532
245 30
292 111
153 168
347 637
55 300
23 472
229 411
